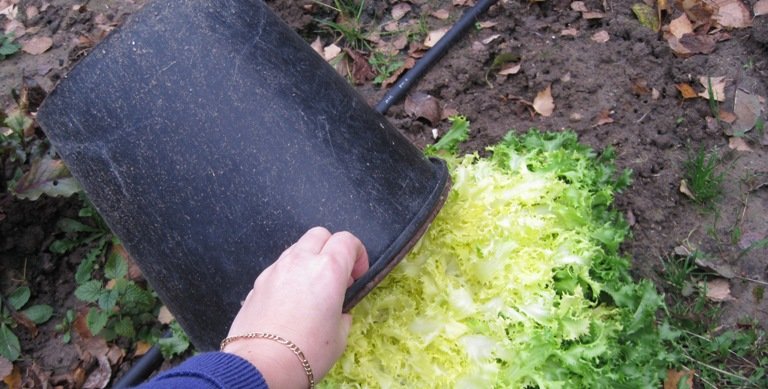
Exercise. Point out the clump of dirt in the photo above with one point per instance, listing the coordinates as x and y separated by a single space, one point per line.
621 93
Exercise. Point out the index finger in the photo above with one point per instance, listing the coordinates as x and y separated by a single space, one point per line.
350 251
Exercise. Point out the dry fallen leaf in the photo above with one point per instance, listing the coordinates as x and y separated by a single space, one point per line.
317 46
6 367
487 24
435 36
727 117
544 104
579 6
719 290
685 190
441 14
509 70
140 348
409 63
569 32
603 118
490 39
422 105
13 380
592 15
100 377
164 316
601 36
691 44
331 51
675 376
399 10
640 87
761 8
732 14
686 90
718 87
680 26
37 45
747 109
738 144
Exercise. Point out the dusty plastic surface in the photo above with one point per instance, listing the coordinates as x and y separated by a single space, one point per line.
210 137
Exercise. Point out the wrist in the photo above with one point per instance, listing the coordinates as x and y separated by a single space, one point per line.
279 366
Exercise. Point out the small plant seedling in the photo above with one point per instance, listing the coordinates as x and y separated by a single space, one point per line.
348 25
13 314
384 66
700 171
7 46
713 106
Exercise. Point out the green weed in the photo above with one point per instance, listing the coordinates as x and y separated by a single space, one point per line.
347 24
7 46
384 66
713 105
13 313
700 172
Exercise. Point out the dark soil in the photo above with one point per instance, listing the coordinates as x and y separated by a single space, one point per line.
630 78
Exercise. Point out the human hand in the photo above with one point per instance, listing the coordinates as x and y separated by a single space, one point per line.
300 297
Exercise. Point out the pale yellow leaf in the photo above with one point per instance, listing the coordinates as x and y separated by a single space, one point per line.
718 87
490 39
680 26
684 189
435 36
544 104
592 15
569 32
601 36
488 24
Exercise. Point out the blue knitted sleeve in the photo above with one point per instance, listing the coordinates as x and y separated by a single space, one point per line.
210 370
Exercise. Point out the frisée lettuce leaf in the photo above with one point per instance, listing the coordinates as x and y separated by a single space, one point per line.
517 283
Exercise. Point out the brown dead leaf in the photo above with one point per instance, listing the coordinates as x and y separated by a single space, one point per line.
37 45
422 105
400 10
698 11
13 380
691 44
16 28
640 87
601 36
761 8
732 14
164 316
685 190
441 14
680 26
719 290
434 36
361 70
738 144
747 109
140 348
603 118
80 324
727 117
674 376
718 87
115 355
569 32
543 103
686 90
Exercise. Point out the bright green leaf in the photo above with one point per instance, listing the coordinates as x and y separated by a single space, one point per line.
73 226
125 328
108 299
39 314
459 132
116 267
62 246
